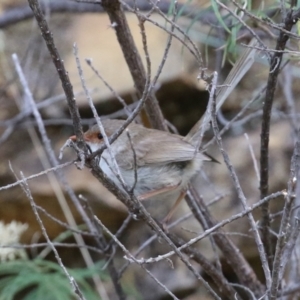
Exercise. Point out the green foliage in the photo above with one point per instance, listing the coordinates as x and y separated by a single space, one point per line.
40 279
230 21
215 8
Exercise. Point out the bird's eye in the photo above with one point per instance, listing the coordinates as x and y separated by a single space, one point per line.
99 136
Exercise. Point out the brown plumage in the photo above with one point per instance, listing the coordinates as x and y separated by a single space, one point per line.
165 162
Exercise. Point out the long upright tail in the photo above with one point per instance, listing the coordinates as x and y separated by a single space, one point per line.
241 67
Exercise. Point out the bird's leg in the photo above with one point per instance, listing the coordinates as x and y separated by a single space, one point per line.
167 218
158 192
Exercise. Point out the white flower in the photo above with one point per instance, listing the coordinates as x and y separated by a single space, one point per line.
10 236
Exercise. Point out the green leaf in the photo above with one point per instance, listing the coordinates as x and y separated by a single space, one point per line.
40 279
218 15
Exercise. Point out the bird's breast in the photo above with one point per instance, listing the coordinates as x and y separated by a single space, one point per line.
154 176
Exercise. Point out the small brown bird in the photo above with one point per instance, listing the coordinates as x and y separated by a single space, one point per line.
164 162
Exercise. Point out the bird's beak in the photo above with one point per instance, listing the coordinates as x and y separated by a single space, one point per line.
74 138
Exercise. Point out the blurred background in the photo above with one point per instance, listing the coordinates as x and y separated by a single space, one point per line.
183 100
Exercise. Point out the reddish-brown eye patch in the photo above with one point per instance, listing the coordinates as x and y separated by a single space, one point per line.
89 137
93 137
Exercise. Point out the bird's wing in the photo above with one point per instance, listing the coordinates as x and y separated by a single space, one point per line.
152 148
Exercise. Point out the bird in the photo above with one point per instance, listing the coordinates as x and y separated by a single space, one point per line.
158 164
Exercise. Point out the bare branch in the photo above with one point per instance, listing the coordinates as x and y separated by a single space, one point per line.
133 59
275 64
241 196
73 283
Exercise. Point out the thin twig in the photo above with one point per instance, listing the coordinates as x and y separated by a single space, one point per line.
242 197
115 168
11 185
115 239
133 59
279 263
62 200
275 63
216 227
59 65
73 283
255 164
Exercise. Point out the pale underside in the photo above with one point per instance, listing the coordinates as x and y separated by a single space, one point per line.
161 159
